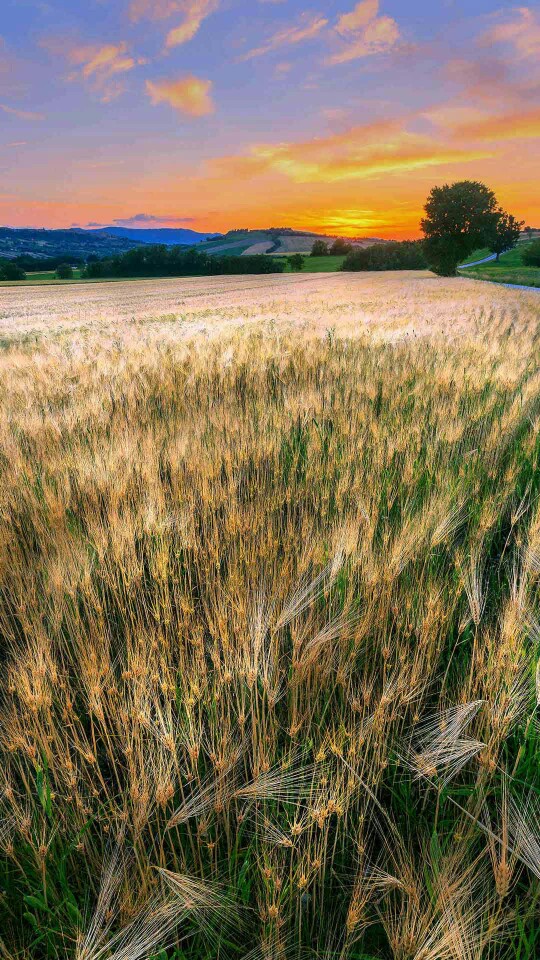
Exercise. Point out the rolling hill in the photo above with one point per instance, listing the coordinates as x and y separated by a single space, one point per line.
276 240
76 244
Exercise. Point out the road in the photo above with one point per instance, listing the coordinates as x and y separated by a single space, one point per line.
492 256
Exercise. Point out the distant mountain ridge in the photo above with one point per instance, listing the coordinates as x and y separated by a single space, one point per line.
170 236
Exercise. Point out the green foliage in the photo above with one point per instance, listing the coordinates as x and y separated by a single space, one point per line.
64 271
531 254
162 261
340 247
11 271
506 233
319 249
296 261
408 255
459 218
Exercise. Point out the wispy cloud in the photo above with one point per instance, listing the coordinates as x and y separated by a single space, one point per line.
101 66
306 29
22 114
520 28
510 126
361 152
189 94
193 13
365 33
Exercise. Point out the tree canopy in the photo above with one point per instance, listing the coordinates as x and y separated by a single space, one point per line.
460 218
319 249
506 233
407 255
161 261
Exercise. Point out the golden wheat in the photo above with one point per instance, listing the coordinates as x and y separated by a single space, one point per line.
269 619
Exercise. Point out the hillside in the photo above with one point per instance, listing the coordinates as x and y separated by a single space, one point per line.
280 240
78 244
166 235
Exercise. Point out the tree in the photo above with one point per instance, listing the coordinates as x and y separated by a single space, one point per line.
506 233
11 271
340 247
460 218
531 254
407 255
64 272
319 249
296 261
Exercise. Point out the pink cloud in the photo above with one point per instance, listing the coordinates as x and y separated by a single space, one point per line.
308 28
366 33
189 95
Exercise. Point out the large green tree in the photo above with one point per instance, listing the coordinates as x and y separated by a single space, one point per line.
460 218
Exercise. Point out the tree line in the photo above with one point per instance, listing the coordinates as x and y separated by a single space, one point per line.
161 261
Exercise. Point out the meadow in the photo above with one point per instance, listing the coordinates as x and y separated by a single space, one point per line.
269 567
509 268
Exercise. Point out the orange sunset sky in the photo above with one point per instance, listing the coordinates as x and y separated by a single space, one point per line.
216 114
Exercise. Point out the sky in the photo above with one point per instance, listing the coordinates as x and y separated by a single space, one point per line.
220 114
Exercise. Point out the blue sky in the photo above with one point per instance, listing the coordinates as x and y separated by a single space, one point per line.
218 114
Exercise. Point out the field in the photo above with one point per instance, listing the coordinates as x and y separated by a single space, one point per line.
508 269
269 568
327 264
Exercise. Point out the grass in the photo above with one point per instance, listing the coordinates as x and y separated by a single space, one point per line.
48 278
508 269
478 255
320 264
270 634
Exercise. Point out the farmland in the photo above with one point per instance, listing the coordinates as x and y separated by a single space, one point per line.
269 564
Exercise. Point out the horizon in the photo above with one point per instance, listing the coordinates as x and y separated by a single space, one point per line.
205 114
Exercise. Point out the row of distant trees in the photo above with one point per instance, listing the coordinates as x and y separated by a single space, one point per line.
459 219
162 261
13 270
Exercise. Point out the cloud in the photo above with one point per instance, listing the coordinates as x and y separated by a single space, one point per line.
150 219
17 143
308 28
361 152
189 94
194 12
365 32
101 66
519 28
511 126
363 14
22 114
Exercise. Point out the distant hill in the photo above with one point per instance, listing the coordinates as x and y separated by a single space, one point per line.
79 244
76 244
169 236
276 240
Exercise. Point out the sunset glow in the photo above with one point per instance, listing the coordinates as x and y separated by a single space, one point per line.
217 115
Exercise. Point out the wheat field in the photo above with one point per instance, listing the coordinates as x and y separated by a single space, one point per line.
269 567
